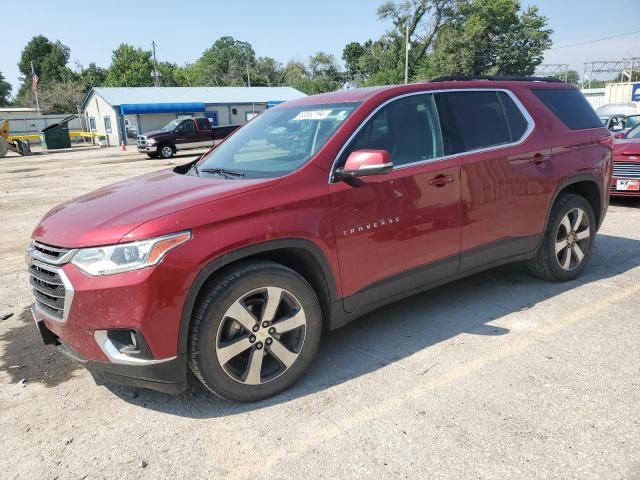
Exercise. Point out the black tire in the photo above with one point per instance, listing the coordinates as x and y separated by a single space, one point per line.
547 264
166 150
211 319
152 155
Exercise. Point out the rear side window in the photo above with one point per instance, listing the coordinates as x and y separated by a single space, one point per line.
471 120
203 124
516 121
570 106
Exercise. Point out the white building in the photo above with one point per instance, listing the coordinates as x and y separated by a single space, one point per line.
121 113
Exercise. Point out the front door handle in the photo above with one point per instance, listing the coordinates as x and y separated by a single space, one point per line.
441 180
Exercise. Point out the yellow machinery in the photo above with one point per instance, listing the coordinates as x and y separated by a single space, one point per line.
20 145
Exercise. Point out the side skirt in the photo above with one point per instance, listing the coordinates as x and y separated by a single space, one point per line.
430 276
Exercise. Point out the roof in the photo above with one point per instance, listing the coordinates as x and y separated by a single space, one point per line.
137 95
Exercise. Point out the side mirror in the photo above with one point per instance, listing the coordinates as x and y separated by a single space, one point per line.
362 163
616 127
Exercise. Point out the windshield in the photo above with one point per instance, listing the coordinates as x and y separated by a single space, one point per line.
276 142
172 124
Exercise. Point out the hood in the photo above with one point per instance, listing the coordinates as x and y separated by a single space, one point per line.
106 215
627 146
156 133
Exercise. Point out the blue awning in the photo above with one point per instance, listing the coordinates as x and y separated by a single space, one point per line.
142 108
273 103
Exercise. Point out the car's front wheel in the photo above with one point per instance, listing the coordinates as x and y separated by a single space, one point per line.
568 242
165 151
254 332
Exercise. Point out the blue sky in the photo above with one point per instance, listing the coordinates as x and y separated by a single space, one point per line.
282 29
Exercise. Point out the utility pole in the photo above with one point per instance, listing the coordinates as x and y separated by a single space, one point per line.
156 81
406 54
248 77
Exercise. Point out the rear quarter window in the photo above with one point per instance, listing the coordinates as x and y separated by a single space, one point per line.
570 106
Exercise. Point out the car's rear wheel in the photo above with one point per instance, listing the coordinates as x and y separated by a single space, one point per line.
255 332
165 150
568 242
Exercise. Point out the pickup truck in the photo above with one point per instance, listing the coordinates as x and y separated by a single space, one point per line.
182 134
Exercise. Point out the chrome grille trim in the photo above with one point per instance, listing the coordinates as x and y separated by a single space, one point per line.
626 169
52 290
49 254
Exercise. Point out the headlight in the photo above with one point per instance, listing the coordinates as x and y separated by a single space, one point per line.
151 141
127 256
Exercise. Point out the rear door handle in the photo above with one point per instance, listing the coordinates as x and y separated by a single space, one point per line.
539 158
441 180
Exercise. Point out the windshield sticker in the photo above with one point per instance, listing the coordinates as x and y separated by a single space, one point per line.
341 115
312 115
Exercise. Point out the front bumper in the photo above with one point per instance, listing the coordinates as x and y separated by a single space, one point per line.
166 375
147 148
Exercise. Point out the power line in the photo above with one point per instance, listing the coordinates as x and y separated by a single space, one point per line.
595 41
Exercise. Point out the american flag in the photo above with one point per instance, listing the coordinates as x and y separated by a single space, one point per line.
34 79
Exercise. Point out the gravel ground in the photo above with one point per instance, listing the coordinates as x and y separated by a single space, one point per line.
499 375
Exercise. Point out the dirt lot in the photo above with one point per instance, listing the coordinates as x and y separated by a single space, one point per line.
496 376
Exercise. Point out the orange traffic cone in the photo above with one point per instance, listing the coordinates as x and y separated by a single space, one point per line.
123 146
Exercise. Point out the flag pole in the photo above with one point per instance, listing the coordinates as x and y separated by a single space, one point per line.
34 85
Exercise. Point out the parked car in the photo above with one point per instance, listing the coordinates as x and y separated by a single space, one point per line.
612 115
626 165
234 264
182 134
621 125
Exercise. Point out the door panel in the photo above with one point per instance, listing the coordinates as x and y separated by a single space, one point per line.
394 224
397 231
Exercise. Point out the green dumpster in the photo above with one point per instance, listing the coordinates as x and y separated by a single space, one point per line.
55 136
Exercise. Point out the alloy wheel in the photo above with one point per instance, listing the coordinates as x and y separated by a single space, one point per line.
572 239
261 335
166 152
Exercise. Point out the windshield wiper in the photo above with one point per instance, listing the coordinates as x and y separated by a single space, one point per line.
222 171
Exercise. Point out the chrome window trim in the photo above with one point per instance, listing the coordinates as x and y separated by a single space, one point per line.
516 101
68 290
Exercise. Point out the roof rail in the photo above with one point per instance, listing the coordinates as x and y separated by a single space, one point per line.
498 78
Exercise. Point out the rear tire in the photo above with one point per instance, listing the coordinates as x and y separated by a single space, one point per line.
567 244
254 332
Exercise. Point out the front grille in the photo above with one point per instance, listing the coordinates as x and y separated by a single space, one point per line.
142 140
626 170
49 290
52 254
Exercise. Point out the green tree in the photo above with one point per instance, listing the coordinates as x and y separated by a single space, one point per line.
489 37
5 91
62 97
267 72
92 76
225 63
319 74
49 61
130 67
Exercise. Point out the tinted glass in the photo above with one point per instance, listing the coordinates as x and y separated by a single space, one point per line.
407 128
187 126
570 106
203 124
517 123
277 141
472 120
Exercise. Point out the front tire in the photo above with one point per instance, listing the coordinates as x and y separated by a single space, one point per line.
568 242
165 151
254 332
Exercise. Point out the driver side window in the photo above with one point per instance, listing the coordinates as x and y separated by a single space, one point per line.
407 128
187 126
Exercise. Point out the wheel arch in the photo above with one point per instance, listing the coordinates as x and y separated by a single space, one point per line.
302 256
587 186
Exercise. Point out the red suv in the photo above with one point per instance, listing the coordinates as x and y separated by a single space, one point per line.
311 215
